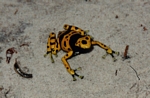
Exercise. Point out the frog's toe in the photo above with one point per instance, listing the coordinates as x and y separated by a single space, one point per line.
79 68
114 59
117 53
104 56
45 55
74 79
81 77
75 74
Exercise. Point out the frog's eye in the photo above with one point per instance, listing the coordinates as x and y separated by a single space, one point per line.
84 42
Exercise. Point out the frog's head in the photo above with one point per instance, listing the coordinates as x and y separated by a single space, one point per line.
84 42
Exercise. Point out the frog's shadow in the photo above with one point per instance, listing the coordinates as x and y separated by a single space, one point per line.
82 51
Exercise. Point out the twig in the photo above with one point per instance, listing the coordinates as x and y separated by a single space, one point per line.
7 92
25 44
16 12
144 28
126 52
9 54
133 86
135 72
116 16
1 59
1 88
116 72
20 72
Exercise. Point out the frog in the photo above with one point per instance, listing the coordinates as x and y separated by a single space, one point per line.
74 41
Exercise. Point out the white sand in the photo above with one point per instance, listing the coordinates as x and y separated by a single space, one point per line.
31 21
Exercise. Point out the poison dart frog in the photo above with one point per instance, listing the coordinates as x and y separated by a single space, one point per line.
74 41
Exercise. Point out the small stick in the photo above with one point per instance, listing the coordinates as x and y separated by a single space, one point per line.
1 59
20 72
7 92
133 86
1 88
144 28
16 12
25 44
116 72
126 52
9 54
135 72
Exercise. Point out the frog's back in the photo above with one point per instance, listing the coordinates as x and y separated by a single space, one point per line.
67 40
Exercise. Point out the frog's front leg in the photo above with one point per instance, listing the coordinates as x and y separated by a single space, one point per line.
52 46
66 64
108 50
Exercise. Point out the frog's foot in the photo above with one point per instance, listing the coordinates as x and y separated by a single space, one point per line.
91 37
51 57
112 54
117 53
86 33
45 55
104 56
56 55
75 74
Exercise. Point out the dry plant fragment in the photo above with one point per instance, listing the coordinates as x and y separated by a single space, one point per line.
116 16
25 44
144 28
135 72
1 59
9 54
6 93
1 88
116 72
16 12
20 72
126 52
127 57
87 0
133 86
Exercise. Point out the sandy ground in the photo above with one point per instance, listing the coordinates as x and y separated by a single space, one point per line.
116 23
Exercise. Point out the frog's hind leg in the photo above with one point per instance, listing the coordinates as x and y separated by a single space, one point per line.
108 50
66 64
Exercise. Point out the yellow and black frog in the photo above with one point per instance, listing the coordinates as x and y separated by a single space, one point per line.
74 41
